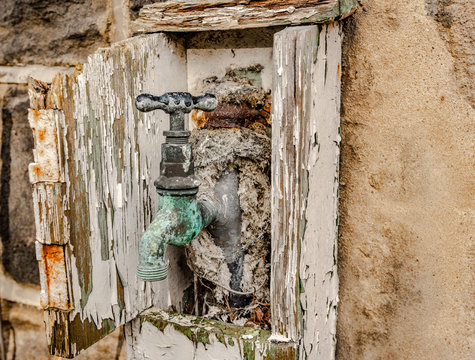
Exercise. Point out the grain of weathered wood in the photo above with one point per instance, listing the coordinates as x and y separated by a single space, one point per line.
318 268
108 156
305 122
290 118
64 328
37 92
50 204
201 15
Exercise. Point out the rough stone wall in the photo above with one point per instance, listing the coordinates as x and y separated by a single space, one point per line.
37 38
54 32
406 212
17 227
35 35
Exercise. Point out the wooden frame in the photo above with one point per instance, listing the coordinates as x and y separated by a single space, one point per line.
305 156
93 192
202 15
305 112
304 282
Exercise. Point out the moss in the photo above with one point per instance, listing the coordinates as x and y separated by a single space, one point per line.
346 6
270 353
221 338
198 330
202 336
248 349
160 324
187 331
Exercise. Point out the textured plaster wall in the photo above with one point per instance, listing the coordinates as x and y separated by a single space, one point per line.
406 213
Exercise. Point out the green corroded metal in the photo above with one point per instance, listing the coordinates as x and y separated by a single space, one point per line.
180 215
178 221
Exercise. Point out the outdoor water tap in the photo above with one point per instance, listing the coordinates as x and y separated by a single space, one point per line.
180 216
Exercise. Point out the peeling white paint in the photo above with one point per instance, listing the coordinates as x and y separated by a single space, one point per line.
318 268
121 165
146 341
46 152
98 160
305 187
201 15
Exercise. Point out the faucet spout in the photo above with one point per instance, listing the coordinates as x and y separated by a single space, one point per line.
178 221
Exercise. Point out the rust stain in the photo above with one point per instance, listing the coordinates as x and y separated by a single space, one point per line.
229 115
338 70
41 134
55 271
37 170
36 113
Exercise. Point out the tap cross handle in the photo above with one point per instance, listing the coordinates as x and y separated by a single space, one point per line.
173 102
177 104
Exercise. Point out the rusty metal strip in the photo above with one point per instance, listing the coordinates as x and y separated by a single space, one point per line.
53 276
47 155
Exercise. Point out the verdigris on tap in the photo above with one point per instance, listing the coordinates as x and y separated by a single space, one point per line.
180 215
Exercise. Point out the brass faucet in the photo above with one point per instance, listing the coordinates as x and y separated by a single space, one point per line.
180 216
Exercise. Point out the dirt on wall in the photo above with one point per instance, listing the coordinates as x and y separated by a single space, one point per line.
405 253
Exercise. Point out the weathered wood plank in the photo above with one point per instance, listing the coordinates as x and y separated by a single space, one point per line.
318 268
166 335
288 177
305 123
201 15
50 204
108 157
64 327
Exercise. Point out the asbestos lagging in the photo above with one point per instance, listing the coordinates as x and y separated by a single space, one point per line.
239 160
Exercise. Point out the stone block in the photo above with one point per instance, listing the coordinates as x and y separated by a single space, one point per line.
52 32
17 229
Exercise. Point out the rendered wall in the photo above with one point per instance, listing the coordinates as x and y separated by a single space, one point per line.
406 209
